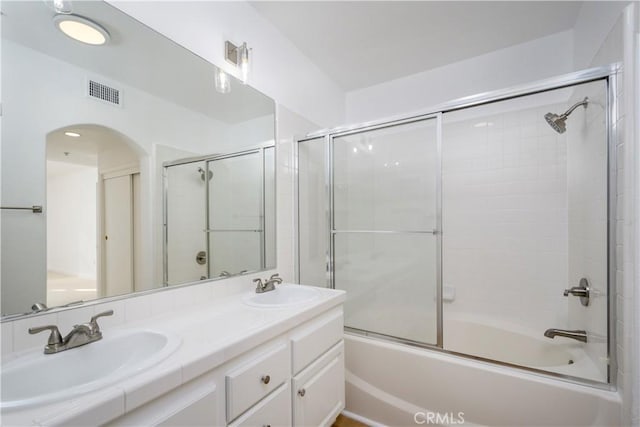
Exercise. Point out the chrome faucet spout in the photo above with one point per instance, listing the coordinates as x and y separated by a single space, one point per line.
578 335
267 285
80 335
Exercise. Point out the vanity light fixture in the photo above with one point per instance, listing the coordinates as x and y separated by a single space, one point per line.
223 83
72 134
60 6
238 56
81 29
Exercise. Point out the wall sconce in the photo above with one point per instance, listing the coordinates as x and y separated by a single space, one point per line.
60 6
238 56
223 83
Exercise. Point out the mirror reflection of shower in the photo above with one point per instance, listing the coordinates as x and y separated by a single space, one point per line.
558 122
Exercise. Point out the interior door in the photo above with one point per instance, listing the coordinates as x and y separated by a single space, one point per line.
236 223
118 235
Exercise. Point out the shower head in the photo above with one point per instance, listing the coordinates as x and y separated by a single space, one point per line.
558 122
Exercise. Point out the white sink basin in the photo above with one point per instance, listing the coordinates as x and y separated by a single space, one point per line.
285 295
37 378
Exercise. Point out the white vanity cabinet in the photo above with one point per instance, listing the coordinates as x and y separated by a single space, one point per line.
313 389
296 378
318 393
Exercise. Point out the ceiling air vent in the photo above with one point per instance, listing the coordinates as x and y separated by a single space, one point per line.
104 93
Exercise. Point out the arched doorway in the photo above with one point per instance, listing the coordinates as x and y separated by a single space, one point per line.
93 213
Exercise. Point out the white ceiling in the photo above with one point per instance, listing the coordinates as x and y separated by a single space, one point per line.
362 43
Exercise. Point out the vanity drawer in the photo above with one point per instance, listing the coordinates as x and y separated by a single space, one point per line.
273 411
315 337
252 381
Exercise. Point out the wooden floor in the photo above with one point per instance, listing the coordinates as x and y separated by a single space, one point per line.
343 421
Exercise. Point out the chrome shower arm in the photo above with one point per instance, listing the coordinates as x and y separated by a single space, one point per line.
584 102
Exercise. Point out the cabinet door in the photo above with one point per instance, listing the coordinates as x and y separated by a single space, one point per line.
318 391
274 410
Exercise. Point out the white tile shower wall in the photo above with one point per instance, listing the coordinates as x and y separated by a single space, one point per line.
587 202
312 203
505 218
289 126
610 51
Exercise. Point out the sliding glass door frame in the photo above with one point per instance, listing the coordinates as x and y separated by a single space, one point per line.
437 231
609 74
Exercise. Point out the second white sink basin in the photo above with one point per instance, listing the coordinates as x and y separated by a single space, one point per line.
38 378
285 295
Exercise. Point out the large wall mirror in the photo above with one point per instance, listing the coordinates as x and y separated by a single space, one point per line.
122 144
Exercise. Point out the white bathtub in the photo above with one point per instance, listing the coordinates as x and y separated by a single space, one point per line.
495 340
390 383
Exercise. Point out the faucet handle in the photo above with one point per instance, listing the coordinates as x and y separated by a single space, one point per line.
259 282
54 337
275 278
93 322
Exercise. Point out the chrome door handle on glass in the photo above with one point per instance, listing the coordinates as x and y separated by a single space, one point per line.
582 290
80 334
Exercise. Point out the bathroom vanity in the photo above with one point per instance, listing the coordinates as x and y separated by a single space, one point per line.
239 360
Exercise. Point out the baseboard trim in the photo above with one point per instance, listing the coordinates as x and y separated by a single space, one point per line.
362 419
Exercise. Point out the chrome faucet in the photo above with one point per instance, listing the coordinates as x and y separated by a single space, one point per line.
267 285
576 335
80 335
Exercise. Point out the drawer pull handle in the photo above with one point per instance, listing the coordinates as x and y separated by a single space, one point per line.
266 425
302 392
265 379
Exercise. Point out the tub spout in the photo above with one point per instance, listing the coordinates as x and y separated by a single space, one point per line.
576 335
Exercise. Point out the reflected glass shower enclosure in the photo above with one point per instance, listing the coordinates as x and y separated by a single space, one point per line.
470 229
218 215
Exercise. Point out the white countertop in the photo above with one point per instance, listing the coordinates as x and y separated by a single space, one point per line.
211 333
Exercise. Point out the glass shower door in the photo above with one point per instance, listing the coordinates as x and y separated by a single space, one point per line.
186 245
236 223
384 233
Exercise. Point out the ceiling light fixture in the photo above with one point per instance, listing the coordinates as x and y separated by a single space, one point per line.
238 56
72 134
81 29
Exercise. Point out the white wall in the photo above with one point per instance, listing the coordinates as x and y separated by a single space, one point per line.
278 68
593 25
527 62
248 134
603 37
71 219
